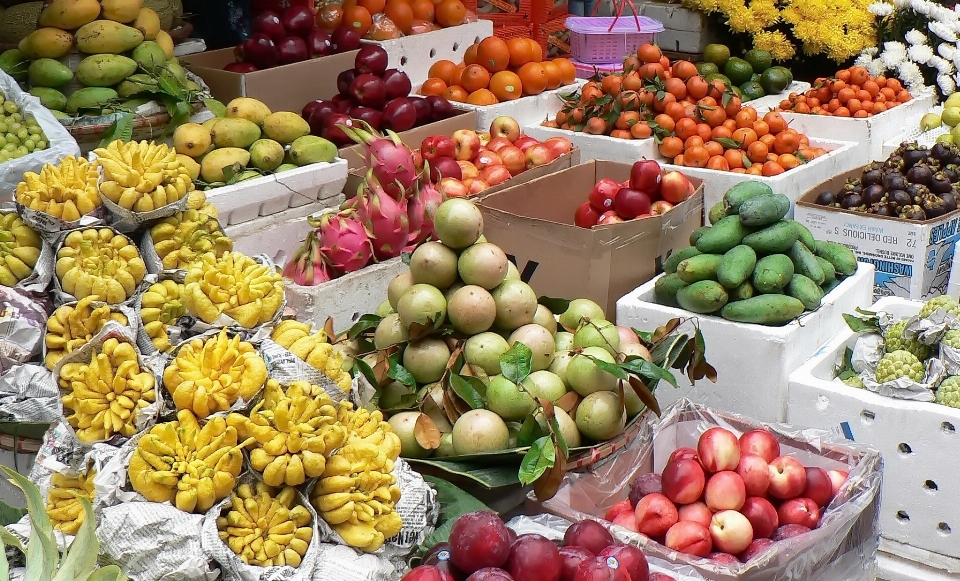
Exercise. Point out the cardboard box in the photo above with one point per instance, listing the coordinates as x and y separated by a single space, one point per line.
284 88
913 259
533 223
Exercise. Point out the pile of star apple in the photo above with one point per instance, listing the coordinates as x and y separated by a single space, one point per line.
469 162
483 548
728 500
648 192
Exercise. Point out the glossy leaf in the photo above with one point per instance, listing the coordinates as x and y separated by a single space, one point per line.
541 456
466 392
398 372
517 363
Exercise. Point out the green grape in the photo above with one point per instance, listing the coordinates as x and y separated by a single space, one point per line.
22 151
41 144
10 107
2 98
12 141
3 127
33 128
17 117
23 134
30 144
3 141
13 127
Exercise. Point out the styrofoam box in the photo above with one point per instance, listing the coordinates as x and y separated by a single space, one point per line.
344 298
601 147
685 30
892 567
953 283
871 133
270 194
526 110
913 133
919 442
415 54
752 361
278 235
768 102
841 157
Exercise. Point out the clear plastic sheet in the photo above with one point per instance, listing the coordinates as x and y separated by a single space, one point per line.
843 548
23 320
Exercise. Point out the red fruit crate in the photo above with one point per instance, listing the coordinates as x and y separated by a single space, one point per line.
510 12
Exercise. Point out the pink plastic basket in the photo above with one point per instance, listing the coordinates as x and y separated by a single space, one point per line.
585 70
591 41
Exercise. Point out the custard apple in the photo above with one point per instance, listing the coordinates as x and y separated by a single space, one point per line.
951 339
944 302
899 364
895 341
853 381
949 392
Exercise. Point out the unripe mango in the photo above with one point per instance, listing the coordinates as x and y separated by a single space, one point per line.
148 23
69 14
211 168
49 73
89 98
165 42
266 154
312 149
121 10
14 63
229 132
150 56
135 84
50 98
107 37
285 126
50 43
246 108
105 70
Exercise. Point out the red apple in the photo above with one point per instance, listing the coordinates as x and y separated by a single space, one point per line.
610 217
423 109
495 175
372 59
660 208
788 532
498 143
559 145
368 90
754 549
476 186
762 516
690 538
468 170
371 116
725 491
487 158
683 454
760 443
512 158
468 144
655 515
335 134
345 39
731 531
260 50
397 82
343 102
484 139
268 22
603 193
445 167
437 146
399 114
819 488
588 534
570 560
718 450
505 126
755 473
627 520
630 558
683 481
298 20
586 216
524 142
630 203
675 187
537 155
344 80
646 175
788 477
723 558
439 556
319 44
696 512
453 188
799 511
613 511
837 478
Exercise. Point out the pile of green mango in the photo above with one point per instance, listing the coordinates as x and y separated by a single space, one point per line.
752 265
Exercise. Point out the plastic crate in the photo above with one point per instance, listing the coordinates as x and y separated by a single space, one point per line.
592 40
589 70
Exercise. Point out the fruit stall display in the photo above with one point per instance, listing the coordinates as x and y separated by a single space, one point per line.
648 192
752 77
850 92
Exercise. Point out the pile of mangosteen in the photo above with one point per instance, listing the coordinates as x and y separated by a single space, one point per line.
914 183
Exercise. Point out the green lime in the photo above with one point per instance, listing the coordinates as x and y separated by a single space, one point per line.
751 90
738 70
785 71
705 69
717 54
755 78
719 77
759 59
775 80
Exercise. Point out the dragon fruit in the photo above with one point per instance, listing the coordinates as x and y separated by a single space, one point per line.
420 210
390 160
344 243
308 268
383 217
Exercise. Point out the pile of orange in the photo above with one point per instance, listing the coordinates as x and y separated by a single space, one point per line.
386 19
851 93
496 70
697 123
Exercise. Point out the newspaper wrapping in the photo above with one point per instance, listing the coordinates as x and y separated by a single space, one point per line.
29 393
23 319
149 252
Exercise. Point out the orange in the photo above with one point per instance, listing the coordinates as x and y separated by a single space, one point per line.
671 147
470 56
358 19
456 74
649 53
493 54
400 13
456 94
772 168
568 74
423 10
433 87
554 74
520 52
482 96
372 6
536 49
534 78
330 16
505 85
450 13
442 70
474 78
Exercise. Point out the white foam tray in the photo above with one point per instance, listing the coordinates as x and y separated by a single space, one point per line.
415 54
600 146
913 133
920 515
278 235
270 194
752 361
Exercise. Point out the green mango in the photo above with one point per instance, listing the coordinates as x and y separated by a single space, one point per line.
105 70
90 98
49 73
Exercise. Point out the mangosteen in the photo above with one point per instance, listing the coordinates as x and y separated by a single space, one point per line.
913 154
940 151
872 177
851 201
899 198
932 206
873 194
919 174
915 190
895 163
912 212
826 198
949 202
894 181
952 173
882 210
940 183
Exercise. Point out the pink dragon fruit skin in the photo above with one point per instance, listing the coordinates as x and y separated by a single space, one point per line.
384 218
344 243
390 160
308 267
421 208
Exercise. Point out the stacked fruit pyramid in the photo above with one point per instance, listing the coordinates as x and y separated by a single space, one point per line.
199 403
752 265
126 57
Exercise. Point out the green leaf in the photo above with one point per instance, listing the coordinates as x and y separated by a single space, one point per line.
645 336
8 538
81 559
398 372
556 306
231 171
121 129
863 322
670 351
477 384
10 515
611 368
465 391
541 457
529 431
364 323
361 366
405 257
178 116
517 363
648 370
4 566
42 553
216 107
171 86
558 436
108 573
729 143
454 503
490 477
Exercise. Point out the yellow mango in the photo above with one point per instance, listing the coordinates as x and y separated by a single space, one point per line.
69 14
121 10
148 23
165 42
47 43
107 37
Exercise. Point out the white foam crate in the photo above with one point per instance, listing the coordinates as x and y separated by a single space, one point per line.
768 102
891 566
415 54
953 284
919 442
601 147
526 110
841 157
913 133
344 298
278 235
270 194
752 361
872 132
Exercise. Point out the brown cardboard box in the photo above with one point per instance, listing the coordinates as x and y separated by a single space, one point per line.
284 88
533 223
